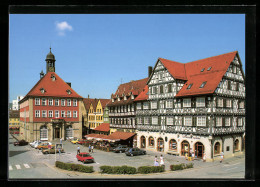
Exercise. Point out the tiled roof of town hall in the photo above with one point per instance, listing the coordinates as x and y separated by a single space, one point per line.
214 69
143 95
56 88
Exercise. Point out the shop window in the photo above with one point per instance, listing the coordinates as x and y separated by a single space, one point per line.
236 145
44 133
217 148
173 145
151 141
227 148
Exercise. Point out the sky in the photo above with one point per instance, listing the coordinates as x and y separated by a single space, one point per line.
98 52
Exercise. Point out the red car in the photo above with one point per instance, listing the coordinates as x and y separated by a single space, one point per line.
85 157
82 141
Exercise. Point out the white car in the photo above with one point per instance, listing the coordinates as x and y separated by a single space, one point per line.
32 143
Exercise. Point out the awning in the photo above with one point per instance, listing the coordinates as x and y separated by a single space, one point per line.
104 127
120 135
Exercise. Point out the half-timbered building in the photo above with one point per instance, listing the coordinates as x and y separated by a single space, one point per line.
193 107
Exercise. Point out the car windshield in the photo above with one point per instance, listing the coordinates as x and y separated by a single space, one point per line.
85 155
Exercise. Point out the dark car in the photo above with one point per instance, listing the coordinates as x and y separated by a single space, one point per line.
120 149
134 152
20 143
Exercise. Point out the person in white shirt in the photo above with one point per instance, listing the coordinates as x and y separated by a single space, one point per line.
162 161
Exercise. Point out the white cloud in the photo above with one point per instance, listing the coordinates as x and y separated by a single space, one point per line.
62 27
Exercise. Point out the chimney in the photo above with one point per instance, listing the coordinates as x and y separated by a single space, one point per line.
150 70
41 74
88 96
69 83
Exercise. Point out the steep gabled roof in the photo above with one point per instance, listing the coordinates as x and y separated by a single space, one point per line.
214 69
126 89
87 102
176 69
143 95
56 88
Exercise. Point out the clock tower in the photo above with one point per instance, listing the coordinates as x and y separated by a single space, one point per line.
50 62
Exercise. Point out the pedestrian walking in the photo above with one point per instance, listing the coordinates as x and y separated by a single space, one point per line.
221 156
156 163
162 161
61 141
78 150
193 156
59 151
89 148
204 157
92 148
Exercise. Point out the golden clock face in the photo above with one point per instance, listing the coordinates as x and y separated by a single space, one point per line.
51 69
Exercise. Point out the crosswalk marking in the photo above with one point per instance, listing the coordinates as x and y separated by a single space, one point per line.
18 166
10 168
26 165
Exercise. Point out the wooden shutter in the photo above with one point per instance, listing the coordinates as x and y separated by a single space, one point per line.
217 99
159 120
224 103
237 86
229 85
207 121
194 121
223 122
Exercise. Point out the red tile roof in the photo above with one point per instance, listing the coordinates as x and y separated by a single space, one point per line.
219 65
103 127
143 95
88 101
57 88
134 87
176 69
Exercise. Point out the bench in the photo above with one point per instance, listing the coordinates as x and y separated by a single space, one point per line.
173 153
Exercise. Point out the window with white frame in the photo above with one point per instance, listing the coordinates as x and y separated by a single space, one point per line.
154 90
74 102
234 69
44 101
161 104
188 121
50 102
201 121
200 102
44 113
56 114
68 114
75 114
69 132
239 122
218 121
68 102
139 106
63 114
139 120
56 102
186 102
154 104
145 105
228 103
155 120
50 113
146 120
220 102
169 104
62 102
241 104
37 113
227 122
44 133
37 101
169 121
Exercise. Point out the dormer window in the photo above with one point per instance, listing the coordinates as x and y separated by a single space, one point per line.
209 69
190 85
113 100
53 78
203 84
118 99
132 97
124 97
68 92
202 70
42 90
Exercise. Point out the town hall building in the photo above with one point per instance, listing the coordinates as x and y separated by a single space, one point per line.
51 109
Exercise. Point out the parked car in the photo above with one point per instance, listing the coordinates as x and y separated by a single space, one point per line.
16 132
20 143
134 152
32 144
36 144
82 141
120 149
52 151
75 141
85 157
44 145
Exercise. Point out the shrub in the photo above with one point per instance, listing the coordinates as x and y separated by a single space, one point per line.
150 169
118 169
176 167
190 165
74 167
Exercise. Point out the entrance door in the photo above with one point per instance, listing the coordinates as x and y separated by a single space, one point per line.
185 148
160 145
57 132
143 142
199 149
